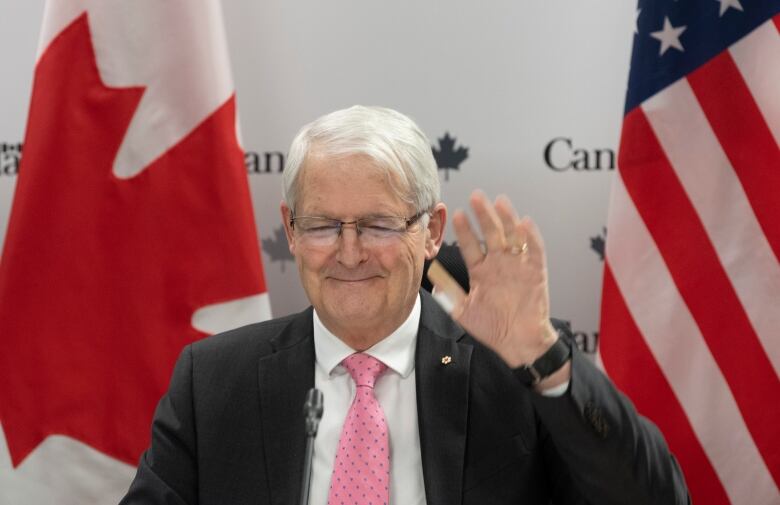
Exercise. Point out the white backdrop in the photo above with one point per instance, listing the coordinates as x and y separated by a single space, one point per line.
504 78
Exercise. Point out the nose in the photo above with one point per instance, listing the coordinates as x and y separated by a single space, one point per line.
351 252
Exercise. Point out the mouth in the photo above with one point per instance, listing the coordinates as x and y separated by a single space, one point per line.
353 280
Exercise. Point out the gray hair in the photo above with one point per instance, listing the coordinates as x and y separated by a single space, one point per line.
396 144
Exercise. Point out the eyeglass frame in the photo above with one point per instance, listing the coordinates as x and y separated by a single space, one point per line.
409 221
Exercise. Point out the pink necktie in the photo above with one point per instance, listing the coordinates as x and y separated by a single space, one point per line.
361 472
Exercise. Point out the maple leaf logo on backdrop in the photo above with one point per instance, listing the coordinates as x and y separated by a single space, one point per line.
276 247
598 243
447 157
104 274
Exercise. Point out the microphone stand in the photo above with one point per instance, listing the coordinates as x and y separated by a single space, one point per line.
312 411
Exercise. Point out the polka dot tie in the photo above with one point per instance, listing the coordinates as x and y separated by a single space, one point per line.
361 472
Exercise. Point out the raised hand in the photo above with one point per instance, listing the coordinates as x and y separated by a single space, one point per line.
507 307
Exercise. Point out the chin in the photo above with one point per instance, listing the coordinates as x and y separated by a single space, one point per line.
354 291
357 306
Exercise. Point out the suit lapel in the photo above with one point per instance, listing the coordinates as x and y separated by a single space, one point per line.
442 371
284 378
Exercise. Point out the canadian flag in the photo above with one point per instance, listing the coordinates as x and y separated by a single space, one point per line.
131 234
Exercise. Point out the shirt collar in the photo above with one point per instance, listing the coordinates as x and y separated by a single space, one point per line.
396 350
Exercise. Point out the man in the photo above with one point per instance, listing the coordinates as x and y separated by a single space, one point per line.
418 408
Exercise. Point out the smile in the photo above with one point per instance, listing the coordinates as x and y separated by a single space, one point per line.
353 281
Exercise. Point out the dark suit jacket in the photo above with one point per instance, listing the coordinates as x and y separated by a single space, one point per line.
230 429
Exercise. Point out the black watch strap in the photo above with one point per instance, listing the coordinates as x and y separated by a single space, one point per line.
547 364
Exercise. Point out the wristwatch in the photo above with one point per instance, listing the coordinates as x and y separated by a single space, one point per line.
549 362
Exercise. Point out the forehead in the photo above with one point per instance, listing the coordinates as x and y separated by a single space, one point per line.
348 186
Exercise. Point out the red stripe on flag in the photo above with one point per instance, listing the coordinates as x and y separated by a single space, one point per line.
745 136
693 263
631 365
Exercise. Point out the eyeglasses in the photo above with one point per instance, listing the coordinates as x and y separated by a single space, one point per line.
378 230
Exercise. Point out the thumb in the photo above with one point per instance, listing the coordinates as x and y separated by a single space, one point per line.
446 290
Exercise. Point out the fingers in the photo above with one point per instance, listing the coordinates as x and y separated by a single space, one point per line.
502 229
489 221
468 242
527 229
520 233
509 221
446 291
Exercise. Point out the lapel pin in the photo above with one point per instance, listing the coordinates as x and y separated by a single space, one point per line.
446 360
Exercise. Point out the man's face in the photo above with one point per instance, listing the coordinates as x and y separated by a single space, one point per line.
361 292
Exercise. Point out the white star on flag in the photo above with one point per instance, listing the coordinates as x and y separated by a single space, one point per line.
669 36
725 4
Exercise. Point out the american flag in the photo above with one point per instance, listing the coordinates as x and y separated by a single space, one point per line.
690 322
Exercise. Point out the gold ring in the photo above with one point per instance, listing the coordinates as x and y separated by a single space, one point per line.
517 250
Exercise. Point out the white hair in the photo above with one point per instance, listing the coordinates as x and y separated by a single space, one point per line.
392 140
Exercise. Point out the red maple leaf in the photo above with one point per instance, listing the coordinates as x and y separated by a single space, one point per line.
100 276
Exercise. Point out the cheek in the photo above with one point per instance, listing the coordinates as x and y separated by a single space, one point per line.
403 263
310 262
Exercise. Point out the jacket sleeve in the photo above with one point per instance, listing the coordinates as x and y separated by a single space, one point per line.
167 471
610 453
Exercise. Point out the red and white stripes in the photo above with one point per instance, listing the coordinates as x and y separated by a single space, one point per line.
691 310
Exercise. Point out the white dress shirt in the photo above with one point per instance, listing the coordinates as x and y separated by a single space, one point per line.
395 391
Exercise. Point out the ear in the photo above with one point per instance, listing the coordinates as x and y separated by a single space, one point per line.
286 216
435 235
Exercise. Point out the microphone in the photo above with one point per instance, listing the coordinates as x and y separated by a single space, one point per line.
312 412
